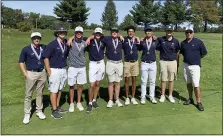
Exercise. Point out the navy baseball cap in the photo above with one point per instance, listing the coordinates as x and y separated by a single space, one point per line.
148 28
169 28
61 29
114 29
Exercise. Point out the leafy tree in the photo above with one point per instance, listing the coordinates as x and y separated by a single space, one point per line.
146 12
72 11
109 16
25 26
127 22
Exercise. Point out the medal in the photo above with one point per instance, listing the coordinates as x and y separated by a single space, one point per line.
39 62
96 43
147 52
61 47
131 45
131 52
79 48
148 44
37 56
115 44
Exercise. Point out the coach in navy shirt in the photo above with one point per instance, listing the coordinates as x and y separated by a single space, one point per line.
32 65
131 64
193 50
169 51
55 57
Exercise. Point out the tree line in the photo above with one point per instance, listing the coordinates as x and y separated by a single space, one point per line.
72 13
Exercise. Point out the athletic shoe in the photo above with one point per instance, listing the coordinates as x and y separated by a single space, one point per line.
80 107
200 107
61 110
162 98
71 107
127 101
26 119
133 101
95 105
56 115
40 115
143 101
110 104
89 108
189 101
171 99
118 103
153 100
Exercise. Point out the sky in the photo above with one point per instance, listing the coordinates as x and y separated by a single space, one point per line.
96 8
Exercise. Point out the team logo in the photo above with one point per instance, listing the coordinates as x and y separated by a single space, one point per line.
172 44
193 45
58 48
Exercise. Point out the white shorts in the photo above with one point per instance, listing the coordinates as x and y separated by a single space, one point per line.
114 71
96 71
191 74
57 79
77 75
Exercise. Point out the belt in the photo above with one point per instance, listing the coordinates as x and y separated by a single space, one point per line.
116 62
167 60
98 62
148 61
36 70
131 61
61 68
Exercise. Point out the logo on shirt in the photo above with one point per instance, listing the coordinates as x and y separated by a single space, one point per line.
172 44
58 48
193 45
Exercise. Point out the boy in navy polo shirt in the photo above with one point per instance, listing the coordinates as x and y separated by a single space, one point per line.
55 62
114 66
169 51
193 50
77 67
32 65
96 51
148 65
131 64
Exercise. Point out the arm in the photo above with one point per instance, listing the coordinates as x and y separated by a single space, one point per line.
89 39
69 42
47 66
203 51
23 69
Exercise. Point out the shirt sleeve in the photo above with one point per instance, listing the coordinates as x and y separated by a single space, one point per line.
104 39
158 41
203 50
139 46
22 57
85 38
181 48
177 46
48 51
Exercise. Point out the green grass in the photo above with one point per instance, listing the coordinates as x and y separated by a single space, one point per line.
163 118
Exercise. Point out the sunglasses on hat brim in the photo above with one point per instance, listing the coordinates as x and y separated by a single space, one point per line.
36 37
78 32
189 31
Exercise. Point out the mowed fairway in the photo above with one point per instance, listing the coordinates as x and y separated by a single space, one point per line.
162 118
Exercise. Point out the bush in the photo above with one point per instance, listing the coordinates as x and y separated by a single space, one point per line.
24 26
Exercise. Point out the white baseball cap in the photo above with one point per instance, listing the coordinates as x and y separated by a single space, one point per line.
33 34
79 29
189 28
98 30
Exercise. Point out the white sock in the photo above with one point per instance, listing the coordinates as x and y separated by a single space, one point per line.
90 103
94 100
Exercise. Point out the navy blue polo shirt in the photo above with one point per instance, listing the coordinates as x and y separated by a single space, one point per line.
94 54
168 49
148 55
193 51
54 53
127 49
110 50
28 57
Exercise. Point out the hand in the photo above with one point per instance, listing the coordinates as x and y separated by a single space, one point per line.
154 37
121 38
49 73
69 42
138 40
141 39
87 42
25 74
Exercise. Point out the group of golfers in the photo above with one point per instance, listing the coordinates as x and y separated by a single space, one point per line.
37 62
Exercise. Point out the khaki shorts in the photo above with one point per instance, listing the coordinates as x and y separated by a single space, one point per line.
168 70
114 71
131 69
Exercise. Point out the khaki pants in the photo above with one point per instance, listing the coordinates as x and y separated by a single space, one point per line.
38 80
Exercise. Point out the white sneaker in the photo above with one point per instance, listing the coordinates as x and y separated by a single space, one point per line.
118 103
162 98
171 99
153 100
143 101
40 115
133 101
110 104
80 107
26 119
71 107
127 101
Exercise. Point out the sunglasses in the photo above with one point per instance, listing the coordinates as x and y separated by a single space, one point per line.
36 37
187 32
